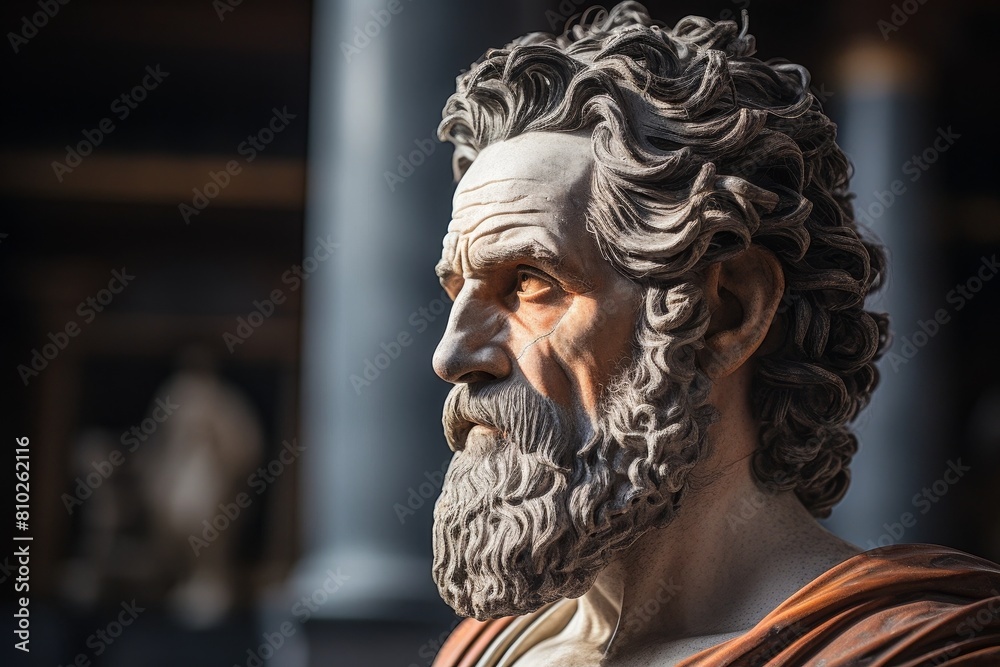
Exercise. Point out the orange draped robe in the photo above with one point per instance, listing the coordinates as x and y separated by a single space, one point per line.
901 606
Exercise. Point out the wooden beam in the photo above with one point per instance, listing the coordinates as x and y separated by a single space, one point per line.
154 178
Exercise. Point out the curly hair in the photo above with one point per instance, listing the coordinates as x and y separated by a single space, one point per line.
700 150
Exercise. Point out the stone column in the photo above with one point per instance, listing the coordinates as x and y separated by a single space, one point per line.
881 110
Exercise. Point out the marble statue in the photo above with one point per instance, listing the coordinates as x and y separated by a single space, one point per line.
659 315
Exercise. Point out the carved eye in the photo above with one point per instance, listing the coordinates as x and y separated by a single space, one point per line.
531 284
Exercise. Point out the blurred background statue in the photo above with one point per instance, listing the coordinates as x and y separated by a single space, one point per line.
192 470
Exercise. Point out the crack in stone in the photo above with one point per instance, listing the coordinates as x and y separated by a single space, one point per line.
544 335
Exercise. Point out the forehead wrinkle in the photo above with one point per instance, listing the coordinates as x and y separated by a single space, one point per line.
468 218
503 193
545 221
477 221
463 191
488 202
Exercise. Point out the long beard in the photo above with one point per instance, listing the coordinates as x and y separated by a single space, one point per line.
530 513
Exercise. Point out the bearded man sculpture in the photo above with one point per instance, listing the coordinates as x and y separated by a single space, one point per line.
658 314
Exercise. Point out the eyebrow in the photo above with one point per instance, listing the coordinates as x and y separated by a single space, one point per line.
507 254
443 269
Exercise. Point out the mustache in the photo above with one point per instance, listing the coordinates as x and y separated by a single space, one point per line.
513 408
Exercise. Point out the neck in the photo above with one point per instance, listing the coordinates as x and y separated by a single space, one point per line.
732 554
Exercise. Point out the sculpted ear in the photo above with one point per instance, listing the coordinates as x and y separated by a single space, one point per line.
743 294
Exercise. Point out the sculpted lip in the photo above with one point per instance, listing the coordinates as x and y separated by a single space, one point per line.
458 433
480 429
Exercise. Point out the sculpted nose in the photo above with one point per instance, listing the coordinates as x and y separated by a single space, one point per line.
469 350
